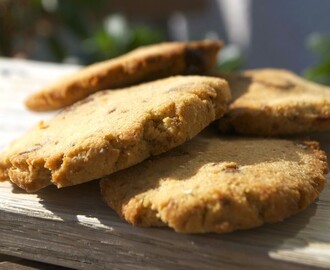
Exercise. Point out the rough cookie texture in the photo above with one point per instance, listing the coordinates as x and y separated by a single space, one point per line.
275 102
213 184
112 130
143 64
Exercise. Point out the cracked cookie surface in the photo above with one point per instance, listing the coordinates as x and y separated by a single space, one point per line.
112 130
213 184
140 65
275 102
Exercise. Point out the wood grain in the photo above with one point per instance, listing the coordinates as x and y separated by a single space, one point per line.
72 227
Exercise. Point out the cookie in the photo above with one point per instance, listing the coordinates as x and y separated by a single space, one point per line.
275 102
112 130
143 64
212 184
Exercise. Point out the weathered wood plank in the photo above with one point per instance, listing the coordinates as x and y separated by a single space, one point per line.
72 227
22 264
5 258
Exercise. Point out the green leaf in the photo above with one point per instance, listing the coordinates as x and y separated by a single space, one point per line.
320 73
143 35
231 59
319 44
231 65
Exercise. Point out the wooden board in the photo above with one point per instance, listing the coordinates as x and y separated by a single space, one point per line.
72 227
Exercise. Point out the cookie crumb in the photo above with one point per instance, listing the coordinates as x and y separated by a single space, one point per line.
43 125
301 145
231 167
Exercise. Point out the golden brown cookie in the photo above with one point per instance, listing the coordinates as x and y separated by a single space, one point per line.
112 130
275 102
143 64
213 184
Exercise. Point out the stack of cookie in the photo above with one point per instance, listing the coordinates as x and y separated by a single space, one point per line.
161 146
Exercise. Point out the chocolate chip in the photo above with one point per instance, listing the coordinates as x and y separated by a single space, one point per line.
112 110
225 202
38 146
195 62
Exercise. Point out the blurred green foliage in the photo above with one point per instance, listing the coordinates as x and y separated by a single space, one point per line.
231 59
319 44
117 36
81 32
85 31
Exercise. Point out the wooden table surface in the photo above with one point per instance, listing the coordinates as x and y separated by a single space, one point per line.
72 227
